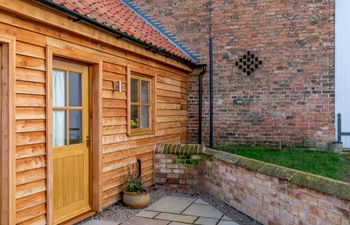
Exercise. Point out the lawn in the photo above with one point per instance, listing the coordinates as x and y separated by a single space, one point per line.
321 163
347 157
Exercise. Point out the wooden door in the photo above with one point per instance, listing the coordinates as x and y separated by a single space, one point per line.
70 139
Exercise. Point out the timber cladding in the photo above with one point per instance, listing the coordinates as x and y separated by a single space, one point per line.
36 45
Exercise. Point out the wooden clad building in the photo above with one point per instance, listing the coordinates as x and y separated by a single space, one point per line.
87 88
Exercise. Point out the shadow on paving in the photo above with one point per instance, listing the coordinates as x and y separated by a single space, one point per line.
174 207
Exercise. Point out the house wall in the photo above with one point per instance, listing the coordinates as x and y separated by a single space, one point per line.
118 150
290 99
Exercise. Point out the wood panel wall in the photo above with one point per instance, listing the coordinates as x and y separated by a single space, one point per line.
118 149
30 127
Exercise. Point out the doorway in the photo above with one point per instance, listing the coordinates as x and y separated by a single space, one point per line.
70 140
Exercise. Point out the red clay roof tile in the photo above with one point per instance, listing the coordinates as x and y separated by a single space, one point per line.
116 14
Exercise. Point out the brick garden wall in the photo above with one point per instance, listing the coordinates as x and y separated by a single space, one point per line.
179 168
270 194
271 200
290 100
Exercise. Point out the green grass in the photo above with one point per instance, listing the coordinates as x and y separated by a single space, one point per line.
321 163
347 156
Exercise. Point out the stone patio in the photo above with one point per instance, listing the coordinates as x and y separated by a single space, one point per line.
171 210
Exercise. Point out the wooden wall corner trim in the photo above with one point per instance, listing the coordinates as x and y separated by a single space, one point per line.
8 139
96 87
49 169
128 99
155 101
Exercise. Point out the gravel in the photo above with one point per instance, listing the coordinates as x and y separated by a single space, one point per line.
120 213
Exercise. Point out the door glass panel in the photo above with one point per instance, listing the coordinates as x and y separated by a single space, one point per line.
134 122
145 116
59 128
59 88
75 127
145 91
134 90
74 89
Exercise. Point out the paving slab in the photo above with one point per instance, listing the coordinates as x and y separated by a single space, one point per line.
100 222
172 210
145 221
226 218
225 222
177 223
203 211
206 221
171 204
200 201
147 214
177 217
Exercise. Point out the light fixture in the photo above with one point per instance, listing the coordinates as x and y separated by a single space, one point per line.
117 86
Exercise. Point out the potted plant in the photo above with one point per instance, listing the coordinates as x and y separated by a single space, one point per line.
135 195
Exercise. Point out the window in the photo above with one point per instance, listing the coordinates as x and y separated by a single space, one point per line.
140 104
67 108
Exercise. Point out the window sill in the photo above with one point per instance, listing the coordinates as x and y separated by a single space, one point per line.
140 133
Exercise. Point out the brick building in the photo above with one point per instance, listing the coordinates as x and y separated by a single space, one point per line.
289 100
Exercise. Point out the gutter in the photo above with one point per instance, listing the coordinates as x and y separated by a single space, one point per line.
78 17
211 80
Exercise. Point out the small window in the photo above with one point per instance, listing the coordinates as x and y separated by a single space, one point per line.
140 104
67 108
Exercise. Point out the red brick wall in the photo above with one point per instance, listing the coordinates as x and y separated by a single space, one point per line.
171 172
284 197
290 100
273 201
179 166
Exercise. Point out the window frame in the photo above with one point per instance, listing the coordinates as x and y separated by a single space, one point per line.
67 68
151 103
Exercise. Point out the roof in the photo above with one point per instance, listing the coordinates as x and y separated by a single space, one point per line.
125 18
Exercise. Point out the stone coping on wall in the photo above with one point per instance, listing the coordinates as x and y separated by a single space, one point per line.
180 149
294 177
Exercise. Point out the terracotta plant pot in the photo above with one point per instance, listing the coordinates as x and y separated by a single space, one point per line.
136 200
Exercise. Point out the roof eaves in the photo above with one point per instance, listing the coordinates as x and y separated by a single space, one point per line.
79 17
161 30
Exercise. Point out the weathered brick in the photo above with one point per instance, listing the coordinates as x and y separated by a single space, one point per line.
171 175
289 101
325 205
269 200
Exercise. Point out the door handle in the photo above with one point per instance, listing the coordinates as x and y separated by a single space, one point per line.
88 141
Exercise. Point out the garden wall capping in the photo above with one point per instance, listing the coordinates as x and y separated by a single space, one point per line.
323 184
190 149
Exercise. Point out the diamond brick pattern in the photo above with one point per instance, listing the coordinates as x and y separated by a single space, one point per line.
249 63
